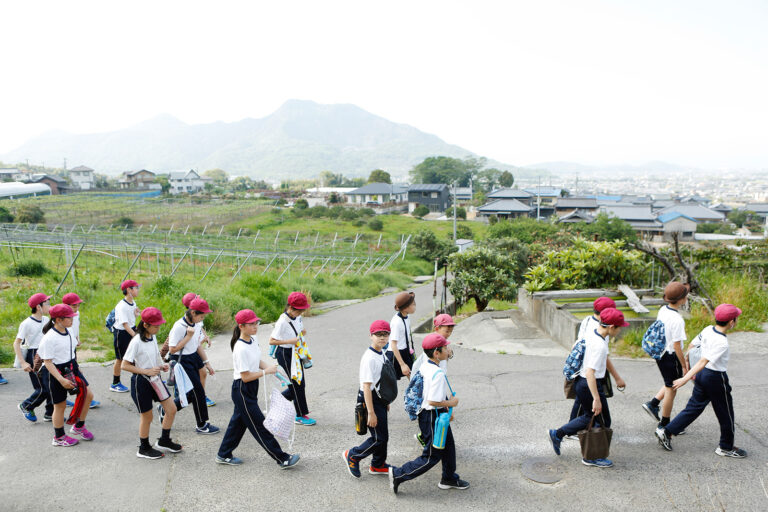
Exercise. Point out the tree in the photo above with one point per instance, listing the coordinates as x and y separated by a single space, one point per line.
29 214
483 273
487 179
739 217
420 211
5 215
462 231
165 185
442 169
461 213
219 176
376 224
301 204
606 227
506 179
379 176
242 183
427 246
335 198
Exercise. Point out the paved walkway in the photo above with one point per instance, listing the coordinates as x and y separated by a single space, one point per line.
507 403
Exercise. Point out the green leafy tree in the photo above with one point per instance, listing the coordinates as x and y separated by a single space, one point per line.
739 217
607 228
427 246
301 204
376 224
462 231
242 183
29 214
441 169
506 179
165 185
461 213
420 211
219 176
484 273
487 179
715 227
525 229
379 176
5 215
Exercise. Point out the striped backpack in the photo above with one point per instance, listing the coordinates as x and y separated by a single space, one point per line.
575 360
655 340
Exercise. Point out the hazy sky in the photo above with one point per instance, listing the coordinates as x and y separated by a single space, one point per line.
521 82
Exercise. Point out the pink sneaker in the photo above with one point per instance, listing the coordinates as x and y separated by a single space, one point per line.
64 441
82 432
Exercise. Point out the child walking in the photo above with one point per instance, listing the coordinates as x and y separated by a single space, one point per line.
673 363
589 383
400 350
436 398
186 350
186 301
29 335
57 350
286 335
124 329
370 373
248 369
143 360
710 386
73 300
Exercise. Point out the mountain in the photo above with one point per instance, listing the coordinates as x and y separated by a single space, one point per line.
300 139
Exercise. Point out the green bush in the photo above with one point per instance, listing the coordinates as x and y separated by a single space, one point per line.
301 204
28 268
124 221
425 245
461 213
525 229
484 273
29 214
420 211
376 224
493 219
5 215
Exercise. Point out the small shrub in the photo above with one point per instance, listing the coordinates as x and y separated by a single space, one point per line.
5 215
28 269
376 224
420 211
301 204
357 223
29 214
493 219
124 221
461 213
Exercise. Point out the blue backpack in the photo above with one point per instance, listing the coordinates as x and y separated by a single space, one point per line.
575 360
655 340
413 395
109 322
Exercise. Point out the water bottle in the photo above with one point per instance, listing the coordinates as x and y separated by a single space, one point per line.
442 423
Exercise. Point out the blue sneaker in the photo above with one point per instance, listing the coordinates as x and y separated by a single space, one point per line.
70 403
231 461
555 441
118 388
94 404
207 429
3 380
353 466
305 420
598 463
29 415
292 461
209 402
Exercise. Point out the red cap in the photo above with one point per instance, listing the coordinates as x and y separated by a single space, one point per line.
726 312
200 305
246 316
71 299
434 340
603 303
380 326
189 298
61 311
129 283
37 299
152 316
614 317
298 300
443 319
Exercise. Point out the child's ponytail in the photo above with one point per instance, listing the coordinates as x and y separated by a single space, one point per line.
47 327
235 337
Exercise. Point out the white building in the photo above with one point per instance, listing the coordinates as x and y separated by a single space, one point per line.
186 182
82 177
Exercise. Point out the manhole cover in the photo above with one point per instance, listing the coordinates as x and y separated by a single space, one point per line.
543 470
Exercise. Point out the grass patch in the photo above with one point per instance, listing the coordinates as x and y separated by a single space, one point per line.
469 309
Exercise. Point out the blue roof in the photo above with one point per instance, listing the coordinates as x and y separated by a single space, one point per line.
544 191
666 217
609 198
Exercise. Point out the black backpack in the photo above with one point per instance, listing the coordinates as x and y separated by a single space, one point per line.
387 385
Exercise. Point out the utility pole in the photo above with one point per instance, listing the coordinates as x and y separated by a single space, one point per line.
454 212
538 200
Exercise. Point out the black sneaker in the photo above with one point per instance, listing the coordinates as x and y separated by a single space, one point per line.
736 453
394 483
453 484
652 411
664 440
47 417
167 445
292 461
149 453
353 466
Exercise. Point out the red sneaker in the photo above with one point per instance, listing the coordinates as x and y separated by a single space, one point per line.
383 470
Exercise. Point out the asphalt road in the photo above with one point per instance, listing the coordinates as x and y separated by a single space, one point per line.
507 404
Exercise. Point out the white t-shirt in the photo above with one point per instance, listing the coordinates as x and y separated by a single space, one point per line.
75 329
401 332
595 354
588 325
246 357
370 367
31 331
283 331
179 330
674 327
125 312
143 354
715 349
57 346
435 385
